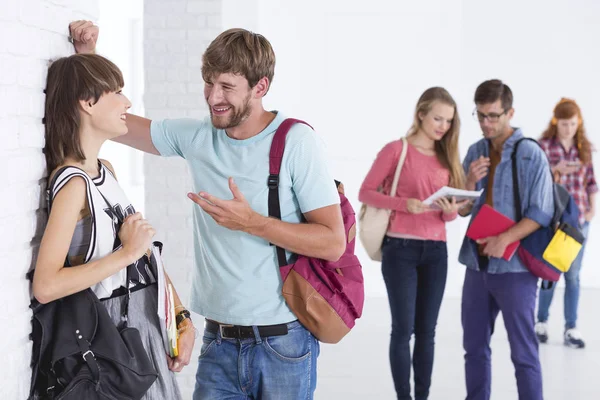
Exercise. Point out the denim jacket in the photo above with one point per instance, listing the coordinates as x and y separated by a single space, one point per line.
535 187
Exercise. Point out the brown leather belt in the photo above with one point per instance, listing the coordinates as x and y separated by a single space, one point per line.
244 332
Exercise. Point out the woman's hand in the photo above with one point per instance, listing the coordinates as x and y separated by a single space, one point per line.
136 234
185 345
589 215
415 206
566 167
450 206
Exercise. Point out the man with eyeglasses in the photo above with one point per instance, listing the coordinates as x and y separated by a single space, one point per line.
493 284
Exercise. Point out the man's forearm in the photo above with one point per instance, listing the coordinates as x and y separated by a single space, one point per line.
138 134
309 239
524 228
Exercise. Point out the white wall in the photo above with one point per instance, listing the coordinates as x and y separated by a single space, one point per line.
121 41
552 52
31 33
355 69
176 33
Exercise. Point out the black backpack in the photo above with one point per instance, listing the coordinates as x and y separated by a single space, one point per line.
565 220
78 352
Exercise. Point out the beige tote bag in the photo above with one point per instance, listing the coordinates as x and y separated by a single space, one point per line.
373 222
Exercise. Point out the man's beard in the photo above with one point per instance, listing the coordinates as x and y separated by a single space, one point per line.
236 117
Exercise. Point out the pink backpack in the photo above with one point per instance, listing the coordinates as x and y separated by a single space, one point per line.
327 297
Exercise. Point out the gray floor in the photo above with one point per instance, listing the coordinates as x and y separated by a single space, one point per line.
357 367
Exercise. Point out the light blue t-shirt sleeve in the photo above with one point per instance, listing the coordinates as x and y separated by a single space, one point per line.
172 137
312 183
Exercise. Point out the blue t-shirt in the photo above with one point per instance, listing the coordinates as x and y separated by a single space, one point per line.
236 278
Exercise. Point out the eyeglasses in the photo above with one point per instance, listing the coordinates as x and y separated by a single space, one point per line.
492 117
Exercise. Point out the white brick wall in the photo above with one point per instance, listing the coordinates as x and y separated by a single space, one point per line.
31 33
176 33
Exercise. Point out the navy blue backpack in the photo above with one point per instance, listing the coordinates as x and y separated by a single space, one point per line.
565 219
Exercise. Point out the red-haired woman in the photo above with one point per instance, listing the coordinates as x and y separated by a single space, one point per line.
570 154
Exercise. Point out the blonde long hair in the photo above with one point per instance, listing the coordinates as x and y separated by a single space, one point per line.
446 149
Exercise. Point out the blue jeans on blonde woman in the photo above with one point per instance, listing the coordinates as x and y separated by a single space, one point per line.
415 276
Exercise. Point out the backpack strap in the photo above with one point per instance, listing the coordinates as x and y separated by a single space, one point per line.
515 174
517 195
275 159
58 182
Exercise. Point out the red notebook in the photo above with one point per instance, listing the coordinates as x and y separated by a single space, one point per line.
489 222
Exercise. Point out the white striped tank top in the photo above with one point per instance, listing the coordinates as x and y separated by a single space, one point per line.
98 236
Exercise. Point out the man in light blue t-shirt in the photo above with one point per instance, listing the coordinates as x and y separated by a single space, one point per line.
253 344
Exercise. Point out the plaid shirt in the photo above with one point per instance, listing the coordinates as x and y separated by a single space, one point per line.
581 183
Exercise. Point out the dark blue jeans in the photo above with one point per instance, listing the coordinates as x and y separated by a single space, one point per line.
415 276
484 296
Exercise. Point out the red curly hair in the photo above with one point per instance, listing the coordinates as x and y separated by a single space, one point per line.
567 109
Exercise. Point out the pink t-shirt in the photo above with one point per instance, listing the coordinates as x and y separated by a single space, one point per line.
421 176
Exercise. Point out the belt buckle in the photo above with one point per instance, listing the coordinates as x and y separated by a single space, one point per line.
221 330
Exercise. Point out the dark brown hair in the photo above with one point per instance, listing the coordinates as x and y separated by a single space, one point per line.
240 52
493 90
71 79
567 109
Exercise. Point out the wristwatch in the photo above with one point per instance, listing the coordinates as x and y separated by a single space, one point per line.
181 315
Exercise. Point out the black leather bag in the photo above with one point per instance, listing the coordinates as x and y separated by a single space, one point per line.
78 352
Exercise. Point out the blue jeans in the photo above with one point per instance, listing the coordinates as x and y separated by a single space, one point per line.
484 296
415 276
266 368
571 290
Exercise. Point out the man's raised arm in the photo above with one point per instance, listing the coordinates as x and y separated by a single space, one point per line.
138 134
84 35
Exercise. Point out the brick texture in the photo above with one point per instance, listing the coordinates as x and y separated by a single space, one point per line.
32 32
176 33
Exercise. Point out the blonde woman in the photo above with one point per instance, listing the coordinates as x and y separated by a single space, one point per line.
415 258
